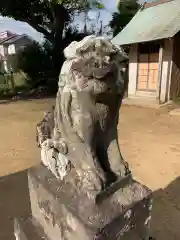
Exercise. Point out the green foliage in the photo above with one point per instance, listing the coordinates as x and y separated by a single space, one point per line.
97 5
46 16
52 18
36 61
126 11
73 35
20 80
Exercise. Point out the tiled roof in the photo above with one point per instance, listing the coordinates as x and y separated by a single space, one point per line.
12 39
3 40
154 21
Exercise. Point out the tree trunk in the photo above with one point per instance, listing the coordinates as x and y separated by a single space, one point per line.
12 82
61 16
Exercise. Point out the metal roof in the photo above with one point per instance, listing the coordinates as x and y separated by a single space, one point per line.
151 23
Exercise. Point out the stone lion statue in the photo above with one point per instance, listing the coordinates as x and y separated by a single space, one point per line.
83 134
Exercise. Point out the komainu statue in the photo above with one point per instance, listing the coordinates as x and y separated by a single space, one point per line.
83 190
83 132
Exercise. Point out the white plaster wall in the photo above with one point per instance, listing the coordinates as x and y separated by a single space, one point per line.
166 70
5 66
2 50
133 68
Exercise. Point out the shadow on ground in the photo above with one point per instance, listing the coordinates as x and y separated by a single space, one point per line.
18 99
14 202
166 212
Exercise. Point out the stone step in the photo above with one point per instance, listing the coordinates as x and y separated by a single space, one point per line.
28 229
152 95
66 212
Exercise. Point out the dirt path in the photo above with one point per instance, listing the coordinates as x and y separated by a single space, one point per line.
18 149
149 141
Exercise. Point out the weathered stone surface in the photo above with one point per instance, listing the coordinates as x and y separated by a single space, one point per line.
67 211
83 190
91 87
28 229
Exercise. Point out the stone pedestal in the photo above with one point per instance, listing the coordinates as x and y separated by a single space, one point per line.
60 210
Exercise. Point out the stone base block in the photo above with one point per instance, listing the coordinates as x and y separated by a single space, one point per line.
66 212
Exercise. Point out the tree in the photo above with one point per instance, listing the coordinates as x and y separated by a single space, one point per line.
35 61
126 11
49 17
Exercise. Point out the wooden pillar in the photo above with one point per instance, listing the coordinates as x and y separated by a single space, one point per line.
133 70
166 70
160 71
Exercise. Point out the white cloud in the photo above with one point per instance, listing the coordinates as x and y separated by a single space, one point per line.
19 28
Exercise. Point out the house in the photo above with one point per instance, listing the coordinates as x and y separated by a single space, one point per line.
10 44
153 36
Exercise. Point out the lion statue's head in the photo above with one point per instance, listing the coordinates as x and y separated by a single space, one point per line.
93 61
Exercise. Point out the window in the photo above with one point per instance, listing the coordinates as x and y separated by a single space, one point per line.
11 49
148 67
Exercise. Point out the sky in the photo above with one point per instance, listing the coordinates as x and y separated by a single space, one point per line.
24 28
